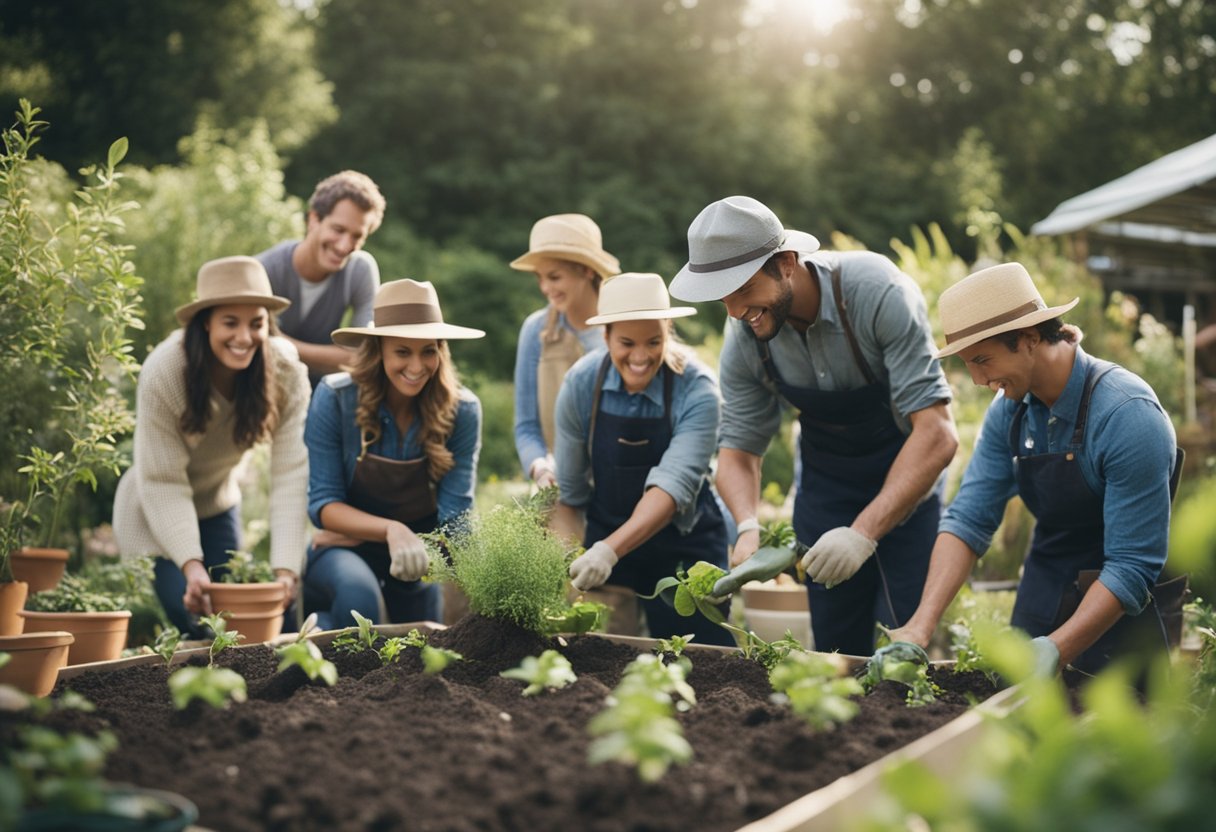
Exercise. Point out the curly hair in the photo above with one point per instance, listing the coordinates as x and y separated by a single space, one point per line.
348 184
257 387
437 404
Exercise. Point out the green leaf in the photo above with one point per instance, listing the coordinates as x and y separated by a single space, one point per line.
118 151
684 603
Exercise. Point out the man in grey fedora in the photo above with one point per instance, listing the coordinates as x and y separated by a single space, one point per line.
844 338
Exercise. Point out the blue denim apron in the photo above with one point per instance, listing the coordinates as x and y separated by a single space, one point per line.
849 441
1068 547
623 450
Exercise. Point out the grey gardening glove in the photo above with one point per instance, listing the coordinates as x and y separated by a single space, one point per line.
837 555
1046 657
408 553
592 567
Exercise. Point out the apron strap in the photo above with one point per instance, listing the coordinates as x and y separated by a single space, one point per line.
842 309
1091 381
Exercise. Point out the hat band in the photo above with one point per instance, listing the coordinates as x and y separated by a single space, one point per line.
1003 318
731 262
398 314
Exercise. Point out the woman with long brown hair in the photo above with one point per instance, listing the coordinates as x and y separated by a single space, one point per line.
206 395
393 447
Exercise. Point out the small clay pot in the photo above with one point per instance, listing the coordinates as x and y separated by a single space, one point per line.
12 599
100 636
253 610
34 660
40 568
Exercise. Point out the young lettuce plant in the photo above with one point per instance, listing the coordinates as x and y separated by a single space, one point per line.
764 653
812 685
638 728
364 638
907 664
579 617
673 646
549 671
436 659
166 643
688 592
217 686
305 655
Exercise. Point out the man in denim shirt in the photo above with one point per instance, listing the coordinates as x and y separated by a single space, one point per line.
1087 446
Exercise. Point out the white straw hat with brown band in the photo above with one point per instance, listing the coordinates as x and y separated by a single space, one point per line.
636 297
406 309
231 280
573 237
991 301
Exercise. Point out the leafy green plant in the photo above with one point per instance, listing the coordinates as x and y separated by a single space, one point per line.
245 568
673 646
390 651
907 664
507 563
638 727
436 659
73 594
1204 683
765 653
216 686
166 643
306 655
69 296
967 655
692 590
548 671
814 689
363 638
579 617
778 533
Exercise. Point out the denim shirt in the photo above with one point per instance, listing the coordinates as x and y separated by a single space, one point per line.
1127 456
695 411
332 437
529 441
889 319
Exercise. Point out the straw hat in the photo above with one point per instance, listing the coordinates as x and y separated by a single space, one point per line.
991 301
405 309
728 242
636 297
231 280
568 237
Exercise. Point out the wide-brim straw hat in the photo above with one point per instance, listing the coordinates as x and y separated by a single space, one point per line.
728 242
991 301
405 309
573 237
636 297
231 280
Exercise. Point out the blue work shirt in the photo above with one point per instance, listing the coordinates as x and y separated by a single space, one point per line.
529 440
332 437
1126 457
889 319
695 411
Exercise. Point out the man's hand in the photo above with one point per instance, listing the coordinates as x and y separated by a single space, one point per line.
542 472
745 546
837 555
592 567
912 635
291 583
408 553
197 598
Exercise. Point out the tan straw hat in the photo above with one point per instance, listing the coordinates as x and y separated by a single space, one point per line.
231 280
728 242
405 309
568 237
995 300
636 297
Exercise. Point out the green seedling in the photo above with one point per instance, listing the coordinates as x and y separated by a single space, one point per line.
216 686
907 664
362 639
765 653
305 655
549 671
638 727
244 568
223 639
673 646
166 643
688 592
390 651
435 659
579 617
778 533
814 689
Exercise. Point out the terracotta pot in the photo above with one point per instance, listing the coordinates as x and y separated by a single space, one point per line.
770 596
256 626
40 568
34 660
247 598
772 609
12 599
100 636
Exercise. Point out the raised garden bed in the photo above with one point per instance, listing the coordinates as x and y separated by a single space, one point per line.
391 748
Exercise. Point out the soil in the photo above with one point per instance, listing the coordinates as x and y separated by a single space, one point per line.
390 748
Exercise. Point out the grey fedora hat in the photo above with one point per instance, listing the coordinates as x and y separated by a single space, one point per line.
728 242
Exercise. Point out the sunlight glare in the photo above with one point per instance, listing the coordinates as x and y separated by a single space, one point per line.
822 15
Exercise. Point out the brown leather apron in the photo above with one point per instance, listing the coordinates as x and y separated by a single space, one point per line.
395 489
559 349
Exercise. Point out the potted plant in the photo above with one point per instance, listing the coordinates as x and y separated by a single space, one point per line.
69 296
98 620
31 662
249 597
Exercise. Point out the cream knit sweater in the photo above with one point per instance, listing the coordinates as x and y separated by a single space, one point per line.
177 478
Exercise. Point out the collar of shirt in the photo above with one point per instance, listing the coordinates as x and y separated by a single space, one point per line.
654 391
390 435
827 296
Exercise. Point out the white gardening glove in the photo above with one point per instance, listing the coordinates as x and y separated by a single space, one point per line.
543 471
592 567
408 553
837 555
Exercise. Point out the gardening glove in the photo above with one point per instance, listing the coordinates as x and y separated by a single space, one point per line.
542 471
408 553
592 567
1046 657
837 555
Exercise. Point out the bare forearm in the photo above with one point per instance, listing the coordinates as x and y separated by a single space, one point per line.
653 512
949 566
738 482
925 454
322 358
345 519
1098 612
